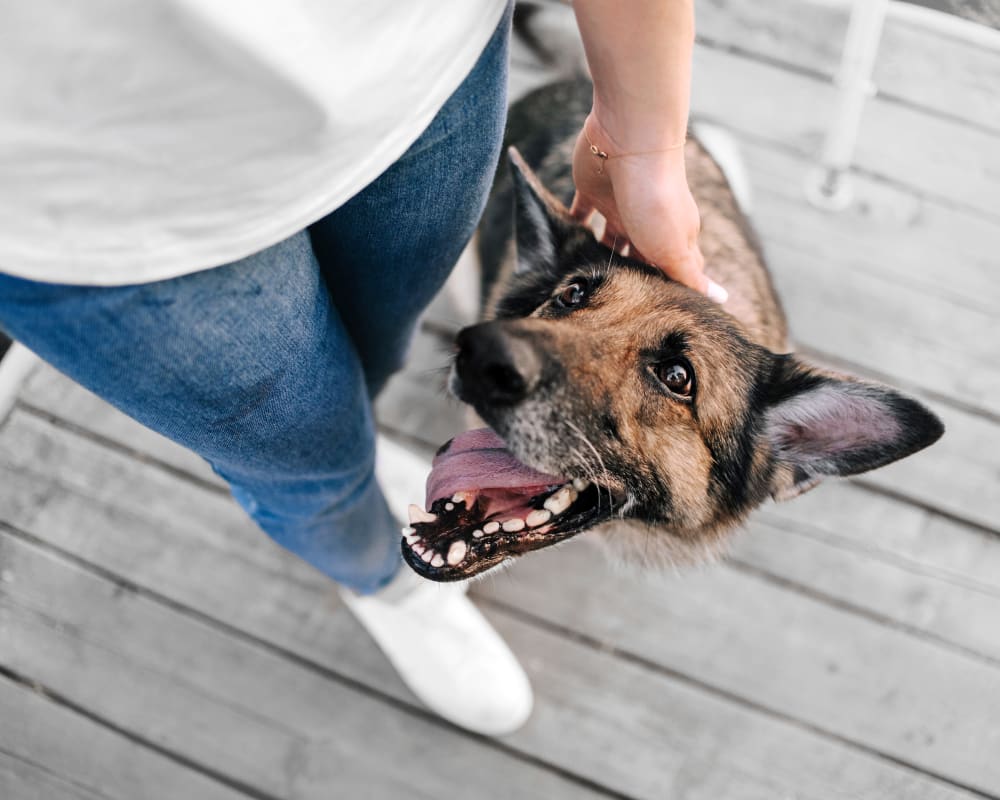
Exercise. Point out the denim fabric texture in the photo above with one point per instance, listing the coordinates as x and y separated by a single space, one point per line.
267 367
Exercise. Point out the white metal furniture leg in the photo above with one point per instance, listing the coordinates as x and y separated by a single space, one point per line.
827 186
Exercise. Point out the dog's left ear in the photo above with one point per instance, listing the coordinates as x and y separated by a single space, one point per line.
541 222
823 424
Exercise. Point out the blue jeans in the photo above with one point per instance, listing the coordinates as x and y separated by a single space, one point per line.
267 367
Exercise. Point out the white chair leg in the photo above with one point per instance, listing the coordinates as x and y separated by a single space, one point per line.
827 186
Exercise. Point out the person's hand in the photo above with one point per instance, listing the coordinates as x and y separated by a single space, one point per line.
647 205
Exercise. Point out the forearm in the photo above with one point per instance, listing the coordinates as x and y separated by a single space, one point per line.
639 53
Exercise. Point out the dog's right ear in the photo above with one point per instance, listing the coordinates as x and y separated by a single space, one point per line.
821 423
541 222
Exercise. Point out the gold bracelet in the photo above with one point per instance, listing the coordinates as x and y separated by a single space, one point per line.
603 156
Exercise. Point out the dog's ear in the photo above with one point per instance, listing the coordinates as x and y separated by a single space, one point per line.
821 424
541 222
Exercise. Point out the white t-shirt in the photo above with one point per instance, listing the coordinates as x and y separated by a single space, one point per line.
145 139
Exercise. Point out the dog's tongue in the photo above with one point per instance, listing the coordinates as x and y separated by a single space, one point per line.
477 460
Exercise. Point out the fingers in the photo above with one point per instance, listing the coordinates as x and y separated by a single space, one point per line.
643 208
716 292
691 272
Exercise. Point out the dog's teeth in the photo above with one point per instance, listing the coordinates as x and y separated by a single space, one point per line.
580 484
417 514
457 552
513 525
426 557
411 535
449 506
477 534
491 527
561 500
437 561
418 548
538 517
463 497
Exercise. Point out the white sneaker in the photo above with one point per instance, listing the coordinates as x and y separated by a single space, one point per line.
438 641
447 653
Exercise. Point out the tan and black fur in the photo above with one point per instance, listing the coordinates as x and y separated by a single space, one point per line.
576 389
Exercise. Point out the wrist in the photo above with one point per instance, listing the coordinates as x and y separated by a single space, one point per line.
639 127
664 161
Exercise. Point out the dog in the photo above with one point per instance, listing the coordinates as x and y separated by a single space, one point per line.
620 401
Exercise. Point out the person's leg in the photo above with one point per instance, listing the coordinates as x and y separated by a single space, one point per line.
388 250
249 366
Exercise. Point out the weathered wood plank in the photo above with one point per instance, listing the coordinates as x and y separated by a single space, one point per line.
233 706
52 391
937 68
962 615
889 231
667 736
856 518
892 328
48 752
829 668
938 157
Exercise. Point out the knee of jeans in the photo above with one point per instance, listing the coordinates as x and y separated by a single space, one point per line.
279 426
287 505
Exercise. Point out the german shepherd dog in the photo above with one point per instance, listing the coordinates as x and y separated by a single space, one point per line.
621 401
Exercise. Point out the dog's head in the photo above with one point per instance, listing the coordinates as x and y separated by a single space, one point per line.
627 402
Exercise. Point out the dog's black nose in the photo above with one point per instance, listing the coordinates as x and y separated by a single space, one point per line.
495 365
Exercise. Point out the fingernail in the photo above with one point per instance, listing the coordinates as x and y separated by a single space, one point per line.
716 292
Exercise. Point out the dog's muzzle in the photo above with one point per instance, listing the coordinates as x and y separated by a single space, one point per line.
496 366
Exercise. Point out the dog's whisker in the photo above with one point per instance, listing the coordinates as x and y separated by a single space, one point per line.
583 461
604 469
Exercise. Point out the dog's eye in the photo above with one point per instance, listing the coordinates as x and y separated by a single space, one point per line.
676 376
573 295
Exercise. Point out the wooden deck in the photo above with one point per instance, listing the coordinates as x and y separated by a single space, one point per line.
153 644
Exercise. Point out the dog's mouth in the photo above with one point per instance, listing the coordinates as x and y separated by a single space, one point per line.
485 506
